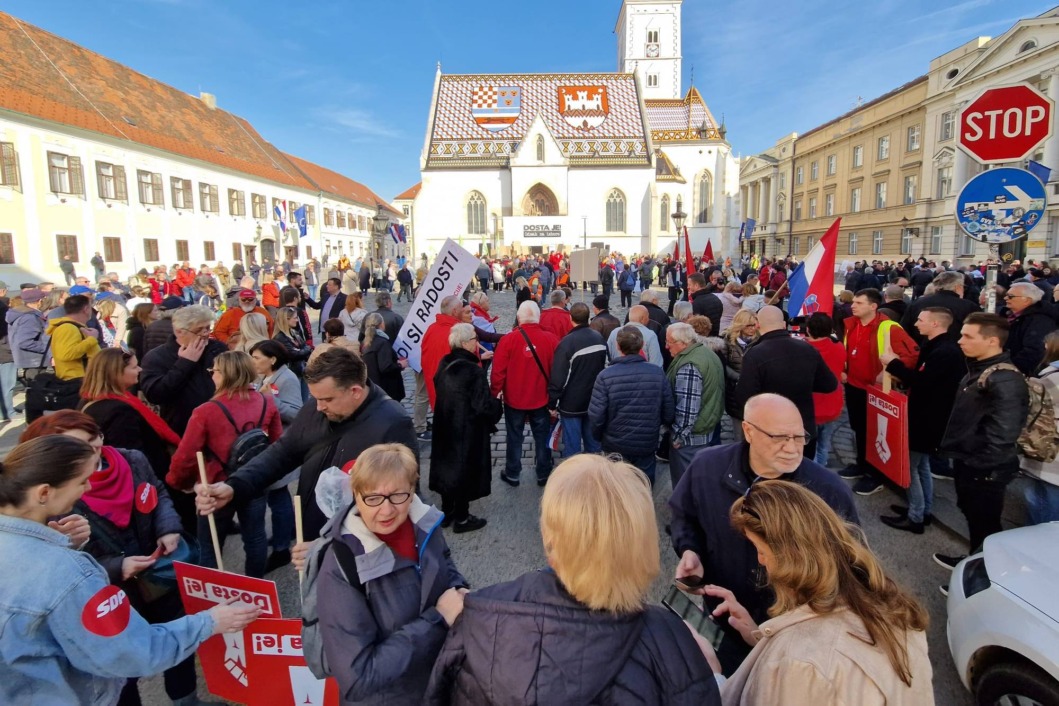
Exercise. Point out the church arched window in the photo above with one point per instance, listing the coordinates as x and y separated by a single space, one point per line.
705 202
616 212
663 216
540 148
476 214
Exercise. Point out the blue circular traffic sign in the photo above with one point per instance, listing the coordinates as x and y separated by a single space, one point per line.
1000 205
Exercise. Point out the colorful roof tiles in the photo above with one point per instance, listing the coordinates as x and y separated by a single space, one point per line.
681 119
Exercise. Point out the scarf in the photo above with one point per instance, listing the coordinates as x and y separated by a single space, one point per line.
483 314
153 420
111 496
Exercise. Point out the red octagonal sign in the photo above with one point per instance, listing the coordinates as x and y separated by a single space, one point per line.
1005 124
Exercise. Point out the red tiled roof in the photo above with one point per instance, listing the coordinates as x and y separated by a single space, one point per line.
409 194
340 187
51 78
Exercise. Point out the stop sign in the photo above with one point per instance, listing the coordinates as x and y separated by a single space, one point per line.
1005 124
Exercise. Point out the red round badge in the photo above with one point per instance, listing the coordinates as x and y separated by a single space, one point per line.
107 613
146 498
347 468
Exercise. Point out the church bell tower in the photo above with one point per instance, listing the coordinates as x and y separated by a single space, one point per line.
649 43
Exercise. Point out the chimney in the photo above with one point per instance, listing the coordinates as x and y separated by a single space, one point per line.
209 99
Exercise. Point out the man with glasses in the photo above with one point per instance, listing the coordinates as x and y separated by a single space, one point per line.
176 375
702 535
1030 321
350 415
228 324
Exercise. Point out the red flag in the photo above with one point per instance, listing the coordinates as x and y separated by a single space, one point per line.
676 250
707 255
688 265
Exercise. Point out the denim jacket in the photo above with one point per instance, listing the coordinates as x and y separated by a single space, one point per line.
49 599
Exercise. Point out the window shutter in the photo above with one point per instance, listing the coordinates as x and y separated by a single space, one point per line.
77 176
10 164
120 187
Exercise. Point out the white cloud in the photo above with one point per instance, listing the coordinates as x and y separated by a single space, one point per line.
359 121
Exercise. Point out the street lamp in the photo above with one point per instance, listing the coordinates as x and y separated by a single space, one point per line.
379 224
678 220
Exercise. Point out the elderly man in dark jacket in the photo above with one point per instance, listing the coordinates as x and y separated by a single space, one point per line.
705 303
176 376
631 401
1031 321
351 414
579 359
987 418
702 534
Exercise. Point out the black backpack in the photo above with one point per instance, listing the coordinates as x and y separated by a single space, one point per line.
248 444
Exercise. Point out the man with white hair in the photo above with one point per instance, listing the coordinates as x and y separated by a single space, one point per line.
522 366
697 377
638 318
1030 322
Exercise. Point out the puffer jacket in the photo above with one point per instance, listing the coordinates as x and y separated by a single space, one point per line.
70 348
630 401
579 359
528 641
986 421
25 335
157 333
1026 338
381 636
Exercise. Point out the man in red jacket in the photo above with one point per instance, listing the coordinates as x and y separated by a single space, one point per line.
868 334
556 318
522 366
435 344
185 279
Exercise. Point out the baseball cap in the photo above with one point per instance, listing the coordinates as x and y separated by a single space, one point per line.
247 294
170 303
31 296
79 289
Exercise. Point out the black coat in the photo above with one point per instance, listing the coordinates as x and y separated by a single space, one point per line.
708 304
157 334
579 359
178 385
957 306
134 336
529 641
391 321
919 281
383 368
123 427
465 417
932 390
1026 337
337 305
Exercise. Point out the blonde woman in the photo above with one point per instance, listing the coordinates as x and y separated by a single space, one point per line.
840 631
253 327
352 316
582 631
289 335
112 320
731 301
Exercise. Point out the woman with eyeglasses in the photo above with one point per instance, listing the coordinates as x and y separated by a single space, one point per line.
235 408
840 630
387 589
70 636
384 367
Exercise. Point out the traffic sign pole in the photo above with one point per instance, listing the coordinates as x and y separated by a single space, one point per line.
990 278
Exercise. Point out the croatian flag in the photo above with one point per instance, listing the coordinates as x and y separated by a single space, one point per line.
812 284
281 215
402 234
393 233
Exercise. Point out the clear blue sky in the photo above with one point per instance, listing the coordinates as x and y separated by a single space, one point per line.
347 84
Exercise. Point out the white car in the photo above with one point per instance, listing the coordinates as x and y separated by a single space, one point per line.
1003 622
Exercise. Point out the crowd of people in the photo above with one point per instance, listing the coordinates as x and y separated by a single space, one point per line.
128 387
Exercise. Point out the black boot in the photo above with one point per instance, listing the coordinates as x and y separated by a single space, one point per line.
902 523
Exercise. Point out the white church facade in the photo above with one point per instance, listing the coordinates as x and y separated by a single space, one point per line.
541 162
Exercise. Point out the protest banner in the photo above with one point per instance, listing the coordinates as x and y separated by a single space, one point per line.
277 670
449 276
223 657
584 265
887 434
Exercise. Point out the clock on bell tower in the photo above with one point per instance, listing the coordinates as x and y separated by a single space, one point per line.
649 43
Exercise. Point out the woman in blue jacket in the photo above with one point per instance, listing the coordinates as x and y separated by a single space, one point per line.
69 636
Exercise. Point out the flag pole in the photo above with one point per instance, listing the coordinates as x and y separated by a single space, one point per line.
210 518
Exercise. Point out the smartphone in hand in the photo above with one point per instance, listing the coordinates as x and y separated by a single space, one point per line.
703 623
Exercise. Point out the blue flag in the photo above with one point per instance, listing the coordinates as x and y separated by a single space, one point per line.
751 224
1040 171
300 219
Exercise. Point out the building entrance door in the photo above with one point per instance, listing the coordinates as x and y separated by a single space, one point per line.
268 251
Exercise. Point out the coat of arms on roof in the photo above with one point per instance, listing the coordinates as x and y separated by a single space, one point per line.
496 108
583 107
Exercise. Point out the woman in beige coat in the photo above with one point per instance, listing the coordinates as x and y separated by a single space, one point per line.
840 632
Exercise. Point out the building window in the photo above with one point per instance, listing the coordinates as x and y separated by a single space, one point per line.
854 200
67 245
276 203
799 176
540 158
876 242
910 189
329 217
111 181
310 215
948 126
476 224
150 250
810 241
112 249
616 212
309 251
1028 46
913 138
832 165
798 210
652 80
935 240
354 222
182 196
237 251
783 180
208 251
7 249
208 199
65 175
795 245
884 148
814 170
966 245
944 182
182 251
257 205
812 207
341 216
150 187
906 241
880 195
8 166
852 243
236 203
858 156
663 217
705 198
829 205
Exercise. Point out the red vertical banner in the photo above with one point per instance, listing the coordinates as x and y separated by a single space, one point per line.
689 263
887 434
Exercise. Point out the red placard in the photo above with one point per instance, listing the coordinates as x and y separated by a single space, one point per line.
277 670
224 657
887 434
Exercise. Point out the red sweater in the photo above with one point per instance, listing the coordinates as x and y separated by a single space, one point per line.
862 346
209 429
557 321
827 406
435 346
515 372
